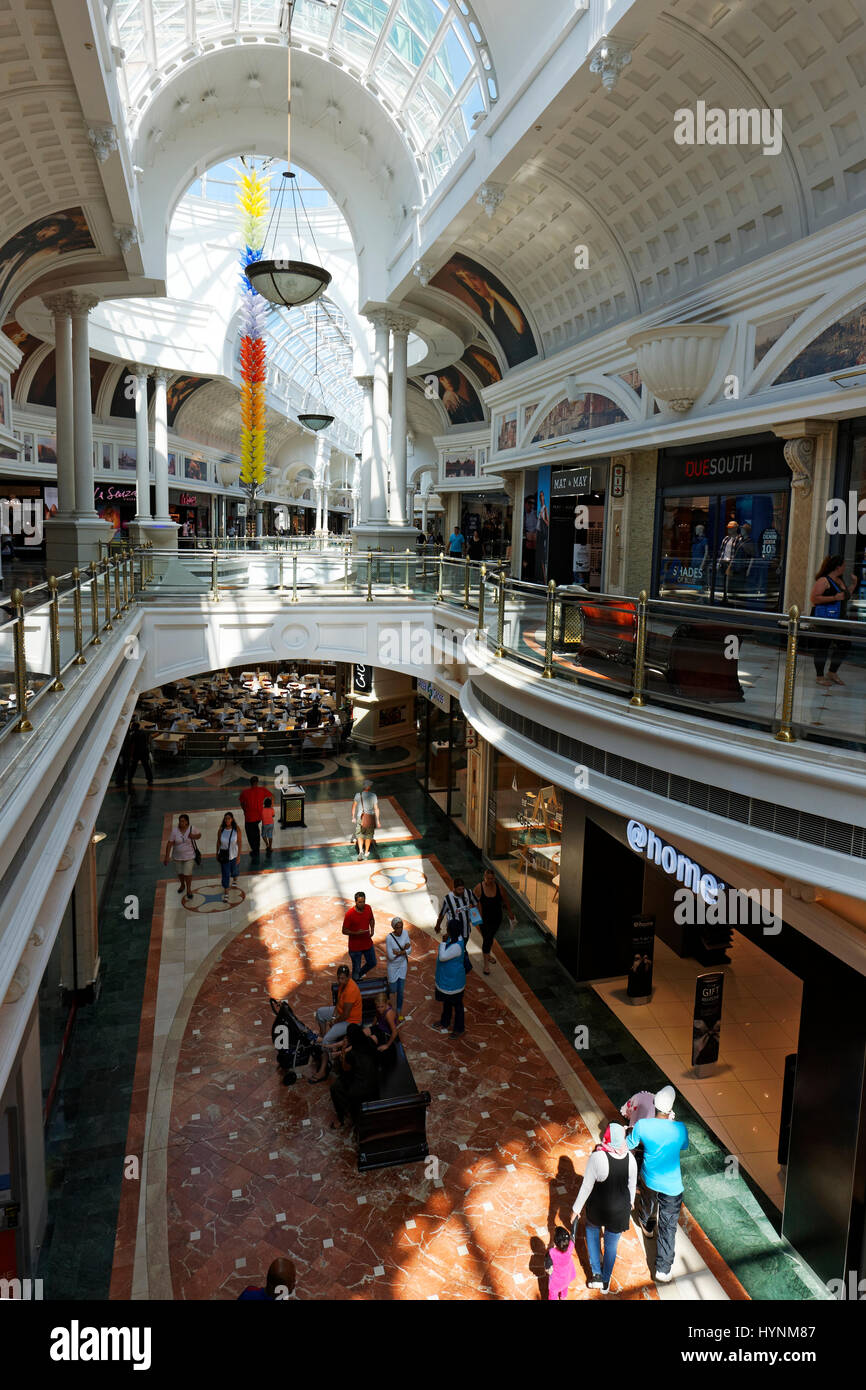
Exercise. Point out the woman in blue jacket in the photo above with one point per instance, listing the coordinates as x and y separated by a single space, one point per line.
451 978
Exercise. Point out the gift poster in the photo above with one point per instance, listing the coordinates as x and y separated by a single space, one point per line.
707 1023
640 973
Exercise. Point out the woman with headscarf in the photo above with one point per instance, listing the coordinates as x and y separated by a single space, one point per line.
607 1192
358 1077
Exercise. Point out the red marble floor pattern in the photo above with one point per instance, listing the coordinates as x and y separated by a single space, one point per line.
255 1172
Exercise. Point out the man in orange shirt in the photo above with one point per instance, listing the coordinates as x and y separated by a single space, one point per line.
252 800
348 1009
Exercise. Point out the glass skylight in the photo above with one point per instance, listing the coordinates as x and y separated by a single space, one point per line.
425 60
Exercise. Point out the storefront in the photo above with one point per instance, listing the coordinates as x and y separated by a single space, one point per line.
485 520
849 540
444 742
524 836
722 523
190 512
564 524
27 507
117 506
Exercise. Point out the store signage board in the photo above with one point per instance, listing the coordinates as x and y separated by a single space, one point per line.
710 465
617 480
640 975
673 862
436 696
571 482
707 1022
362 680
113 494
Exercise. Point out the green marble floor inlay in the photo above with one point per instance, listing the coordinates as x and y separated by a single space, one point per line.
86 1137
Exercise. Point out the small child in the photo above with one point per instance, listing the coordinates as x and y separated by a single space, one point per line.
561 1264
268 824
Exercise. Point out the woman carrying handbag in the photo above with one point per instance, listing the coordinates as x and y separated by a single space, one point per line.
228 851
181 847
365 814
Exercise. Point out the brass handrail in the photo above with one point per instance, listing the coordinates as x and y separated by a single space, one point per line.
23 725
547 673
80 658
638 699
54 635
784 733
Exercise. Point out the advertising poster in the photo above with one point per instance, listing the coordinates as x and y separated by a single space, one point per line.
640 974
707 1024
362 679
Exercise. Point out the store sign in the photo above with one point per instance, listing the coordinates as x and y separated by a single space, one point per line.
362 680
617 480
571 482
671 861
709 465
114 494
188 499
707 1021
640 974
436 696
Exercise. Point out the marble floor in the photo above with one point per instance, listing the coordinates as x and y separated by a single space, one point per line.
174 1065
327 823
741 1100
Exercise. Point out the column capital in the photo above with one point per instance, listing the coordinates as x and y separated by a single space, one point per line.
62 303
380 319
365 382
160 373
80 304
401 325
102 140
140 369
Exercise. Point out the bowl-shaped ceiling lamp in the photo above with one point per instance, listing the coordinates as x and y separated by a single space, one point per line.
287 282
317 420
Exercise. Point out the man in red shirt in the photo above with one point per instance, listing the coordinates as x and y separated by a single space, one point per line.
252 800
358 925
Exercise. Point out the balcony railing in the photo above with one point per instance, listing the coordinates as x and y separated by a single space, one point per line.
754 670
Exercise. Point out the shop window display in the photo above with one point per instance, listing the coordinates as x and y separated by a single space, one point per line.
724 549
525 837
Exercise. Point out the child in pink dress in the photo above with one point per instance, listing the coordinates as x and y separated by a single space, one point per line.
562 1270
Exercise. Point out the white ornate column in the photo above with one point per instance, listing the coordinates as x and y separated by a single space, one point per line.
379 454
323 462
80 307
401 327
411 491
425 511
809 449
163 531
142 448
356 490
60 305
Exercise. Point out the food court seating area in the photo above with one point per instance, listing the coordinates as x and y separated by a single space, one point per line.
248 713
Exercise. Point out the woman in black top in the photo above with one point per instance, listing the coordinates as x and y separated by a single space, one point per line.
830 594
359 1079
491 904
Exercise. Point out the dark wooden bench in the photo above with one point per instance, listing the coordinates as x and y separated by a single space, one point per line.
393 1129
370 986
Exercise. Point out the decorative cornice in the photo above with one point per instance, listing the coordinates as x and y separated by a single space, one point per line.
800 458
126 237
609 57
491 196
102 140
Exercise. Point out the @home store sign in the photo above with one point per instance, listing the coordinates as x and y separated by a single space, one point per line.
671 861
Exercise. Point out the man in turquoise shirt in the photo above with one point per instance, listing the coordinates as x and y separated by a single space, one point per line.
661 1196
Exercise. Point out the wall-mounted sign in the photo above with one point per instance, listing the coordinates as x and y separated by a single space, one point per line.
673 862
438 697
707 1023
188 499
617 480
362 680
571 481
102 493
710 464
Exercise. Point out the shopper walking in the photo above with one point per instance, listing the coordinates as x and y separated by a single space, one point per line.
829 598
268 824
136 749
228 850
607 1192
459 903
365 817
491 904
252 800
397 950
661 1197
561 1265
451 969
181 848
359 925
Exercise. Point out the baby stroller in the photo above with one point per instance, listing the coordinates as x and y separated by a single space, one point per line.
294 1044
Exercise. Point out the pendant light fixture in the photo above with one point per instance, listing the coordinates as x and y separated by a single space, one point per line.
319 419
285 282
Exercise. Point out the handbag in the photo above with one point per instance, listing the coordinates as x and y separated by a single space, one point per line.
475 916
197 852
223 856
368 820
